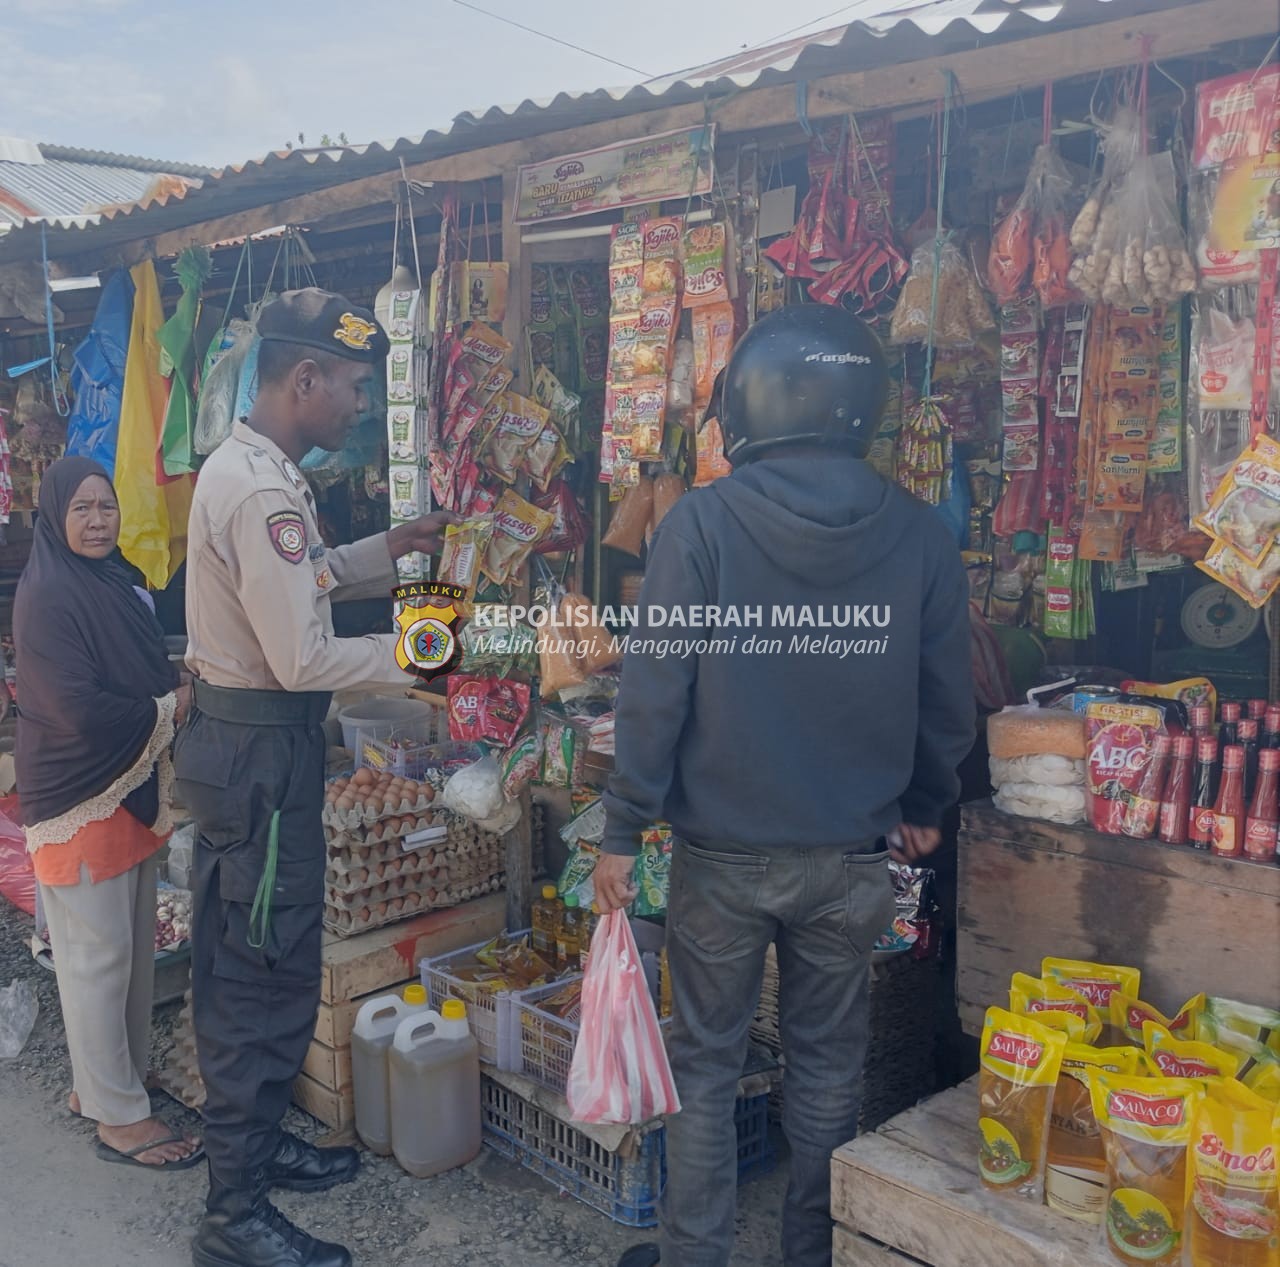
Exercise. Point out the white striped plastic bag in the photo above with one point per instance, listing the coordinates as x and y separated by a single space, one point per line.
620 1075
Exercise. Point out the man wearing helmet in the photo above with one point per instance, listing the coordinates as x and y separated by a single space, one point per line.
784 774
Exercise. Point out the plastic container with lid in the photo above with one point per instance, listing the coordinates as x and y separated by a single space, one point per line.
371 1039
434 1073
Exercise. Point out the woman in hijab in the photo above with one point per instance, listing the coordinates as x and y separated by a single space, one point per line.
100 702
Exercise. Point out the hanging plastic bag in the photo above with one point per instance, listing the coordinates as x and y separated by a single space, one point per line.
97 377
216 410
620 1075
962 311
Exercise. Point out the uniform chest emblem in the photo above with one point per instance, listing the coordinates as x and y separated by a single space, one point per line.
288 535
355 332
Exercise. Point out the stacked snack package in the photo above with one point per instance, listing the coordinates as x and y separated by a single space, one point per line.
1037 763
1128 758
407 388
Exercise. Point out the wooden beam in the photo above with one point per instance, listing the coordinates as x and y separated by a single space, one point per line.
991 71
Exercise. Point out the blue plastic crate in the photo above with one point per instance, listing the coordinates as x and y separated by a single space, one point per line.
626 1190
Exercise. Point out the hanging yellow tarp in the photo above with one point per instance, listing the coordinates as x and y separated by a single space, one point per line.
153 518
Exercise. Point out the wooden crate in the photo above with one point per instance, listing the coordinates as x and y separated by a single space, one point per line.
362 965
335 1021
358 968
910 1193
1189 921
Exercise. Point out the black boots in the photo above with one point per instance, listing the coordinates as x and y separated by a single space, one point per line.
243 1229
302 1167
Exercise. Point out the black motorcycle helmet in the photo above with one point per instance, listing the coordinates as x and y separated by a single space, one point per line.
806 374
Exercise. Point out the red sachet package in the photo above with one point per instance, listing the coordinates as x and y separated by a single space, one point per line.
1120 737
486 709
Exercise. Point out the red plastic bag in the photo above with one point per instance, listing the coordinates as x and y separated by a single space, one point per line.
17 878
620 1075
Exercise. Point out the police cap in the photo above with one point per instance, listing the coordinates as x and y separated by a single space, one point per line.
315 318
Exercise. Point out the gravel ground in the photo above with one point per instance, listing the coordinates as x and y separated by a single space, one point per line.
490 1211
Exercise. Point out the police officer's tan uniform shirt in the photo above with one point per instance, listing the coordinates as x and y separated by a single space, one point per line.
260 580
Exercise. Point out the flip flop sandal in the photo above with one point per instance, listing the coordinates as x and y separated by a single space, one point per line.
130 1158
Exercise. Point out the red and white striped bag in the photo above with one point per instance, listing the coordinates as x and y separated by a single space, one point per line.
620 1074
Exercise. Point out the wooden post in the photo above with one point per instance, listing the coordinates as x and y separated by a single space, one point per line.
519 840
519 849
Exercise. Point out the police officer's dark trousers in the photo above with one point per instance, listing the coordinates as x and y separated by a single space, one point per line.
250 768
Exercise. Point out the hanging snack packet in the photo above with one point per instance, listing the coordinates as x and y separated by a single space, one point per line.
630 517
1245 509
486 709
523 421
520 763
1021 1060
596 647
517 528
1146 1125
464 548
653 872
1254 585
1233 1185
1186 1059
493 646
560 760
713 327
569 528
1076 1168
1129 1014
545 457
1033 996
1225 362
558 667
706 278
654 336
712 464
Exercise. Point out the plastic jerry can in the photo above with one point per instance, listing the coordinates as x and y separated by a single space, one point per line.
434 1070
371 1039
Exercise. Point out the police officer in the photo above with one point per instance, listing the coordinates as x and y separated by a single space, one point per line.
250 762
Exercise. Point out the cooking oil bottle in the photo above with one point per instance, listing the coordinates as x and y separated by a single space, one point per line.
664 986
374 1032
569 935
546 918
434 1068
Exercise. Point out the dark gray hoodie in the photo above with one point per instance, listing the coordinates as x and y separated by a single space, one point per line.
843 712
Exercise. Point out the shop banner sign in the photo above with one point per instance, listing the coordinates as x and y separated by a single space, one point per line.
648 169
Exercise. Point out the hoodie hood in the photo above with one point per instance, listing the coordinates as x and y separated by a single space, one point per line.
822 519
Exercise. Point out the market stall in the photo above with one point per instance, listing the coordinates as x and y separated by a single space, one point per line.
1064 241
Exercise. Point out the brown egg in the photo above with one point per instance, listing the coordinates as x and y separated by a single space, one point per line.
363 777
331 796
345 803
428 792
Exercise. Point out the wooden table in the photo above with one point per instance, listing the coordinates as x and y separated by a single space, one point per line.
910 1193
1191 922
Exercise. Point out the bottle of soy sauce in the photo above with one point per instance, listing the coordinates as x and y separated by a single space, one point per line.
1204 794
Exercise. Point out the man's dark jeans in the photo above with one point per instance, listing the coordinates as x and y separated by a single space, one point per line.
824 909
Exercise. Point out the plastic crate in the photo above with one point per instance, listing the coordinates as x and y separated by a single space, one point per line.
625 1189
540 1044
490 1013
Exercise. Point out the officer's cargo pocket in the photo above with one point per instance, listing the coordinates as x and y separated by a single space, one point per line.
290 954
205 765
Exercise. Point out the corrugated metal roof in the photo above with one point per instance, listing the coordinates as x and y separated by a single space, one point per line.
881 33
67 184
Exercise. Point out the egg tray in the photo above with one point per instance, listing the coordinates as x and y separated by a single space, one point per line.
345 923
385 831
412 872
379 846
365 817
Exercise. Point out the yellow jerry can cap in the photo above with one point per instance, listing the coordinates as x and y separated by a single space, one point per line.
415 995
454 1010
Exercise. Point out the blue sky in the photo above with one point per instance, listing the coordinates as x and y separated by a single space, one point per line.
226 80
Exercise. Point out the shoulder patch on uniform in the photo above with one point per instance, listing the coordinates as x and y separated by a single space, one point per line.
316 553
288 533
